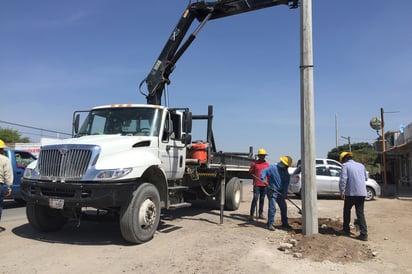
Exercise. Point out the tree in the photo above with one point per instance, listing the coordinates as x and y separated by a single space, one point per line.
362 152
12 136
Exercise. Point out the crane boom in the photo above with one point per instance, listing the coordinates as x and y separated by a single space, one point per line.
203 11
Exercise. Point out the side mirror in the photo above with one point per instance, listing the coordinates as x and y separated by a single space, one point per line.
76 123
187 122
186 138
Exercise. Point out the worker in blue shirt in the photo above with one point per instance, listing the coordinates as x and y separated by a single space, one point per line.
278 183
352 186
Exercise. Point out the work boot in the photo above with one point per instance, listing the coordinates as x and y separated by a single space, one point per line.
271 227
362 237
287 226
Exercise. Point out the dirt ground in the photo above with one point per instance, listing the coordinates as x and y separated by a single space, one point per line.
192 240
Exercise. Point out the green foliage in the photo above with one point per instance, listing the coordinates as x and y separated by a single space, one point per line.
12 136
362 152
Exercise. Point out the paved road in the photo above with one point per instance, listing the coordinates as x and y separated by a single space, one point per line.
13 211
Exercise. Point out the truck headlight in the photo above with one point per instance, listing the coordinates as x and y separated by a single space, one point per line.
110 174
30 173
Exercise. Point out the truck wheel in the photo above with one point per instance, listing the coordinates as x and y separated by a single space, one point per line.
44 218
232 195
140 218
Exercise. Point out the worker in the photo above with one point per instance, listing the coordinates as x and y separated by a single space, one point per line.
278 184
6 176
259 187
352 186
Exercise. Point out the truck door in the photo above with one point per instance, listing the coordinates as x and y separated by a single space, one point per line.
172 150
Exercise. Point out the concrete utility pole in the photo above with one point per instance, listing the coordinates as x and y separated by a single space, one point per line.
309 191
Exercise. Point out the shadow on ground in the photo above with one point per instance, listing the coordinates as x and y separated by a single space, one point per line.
105 230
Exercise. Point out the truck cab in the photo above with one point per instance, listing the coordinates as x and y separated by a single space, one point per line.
154 130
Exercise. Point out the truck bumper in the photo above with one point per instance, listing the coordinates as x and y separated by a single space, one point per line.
75 194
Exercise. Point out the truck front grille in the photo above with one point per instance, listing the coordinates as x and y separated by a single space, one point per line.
64 162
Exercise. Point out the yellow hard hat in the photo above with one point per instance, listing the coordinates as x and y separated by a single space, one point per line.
2 144
286 160
262 151
344 154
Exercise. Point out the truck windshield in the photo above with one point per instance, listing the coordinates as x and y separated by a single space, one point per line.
130 121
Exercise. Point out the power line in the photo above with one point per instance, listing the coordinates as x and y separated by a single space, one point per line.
37 128
46 135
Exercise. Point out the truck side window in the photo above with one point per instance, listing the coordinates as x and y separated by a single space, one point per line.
176 126
23 159
165 135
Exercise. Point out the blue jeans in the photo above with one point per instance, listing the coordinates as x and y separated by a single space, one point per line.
274 198
3 189
258 194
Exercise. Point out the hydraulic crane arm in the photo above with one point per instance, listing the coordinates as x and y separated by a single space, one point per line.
202 11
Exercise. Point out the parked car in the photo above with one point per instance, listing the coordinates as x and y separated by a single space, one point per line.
324 161
327 182
19 160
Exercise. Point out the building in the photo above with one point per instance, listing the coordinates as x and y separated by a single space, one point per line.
398 154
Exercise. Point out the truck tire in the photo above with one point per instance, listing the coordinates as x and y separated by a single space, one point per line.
140 218
233 194
45 219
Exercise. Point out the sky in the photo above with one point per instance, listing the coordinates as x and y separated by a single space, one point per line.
60 56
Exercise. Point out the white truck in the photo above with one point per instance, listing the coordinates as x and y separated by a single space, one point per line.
132 160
